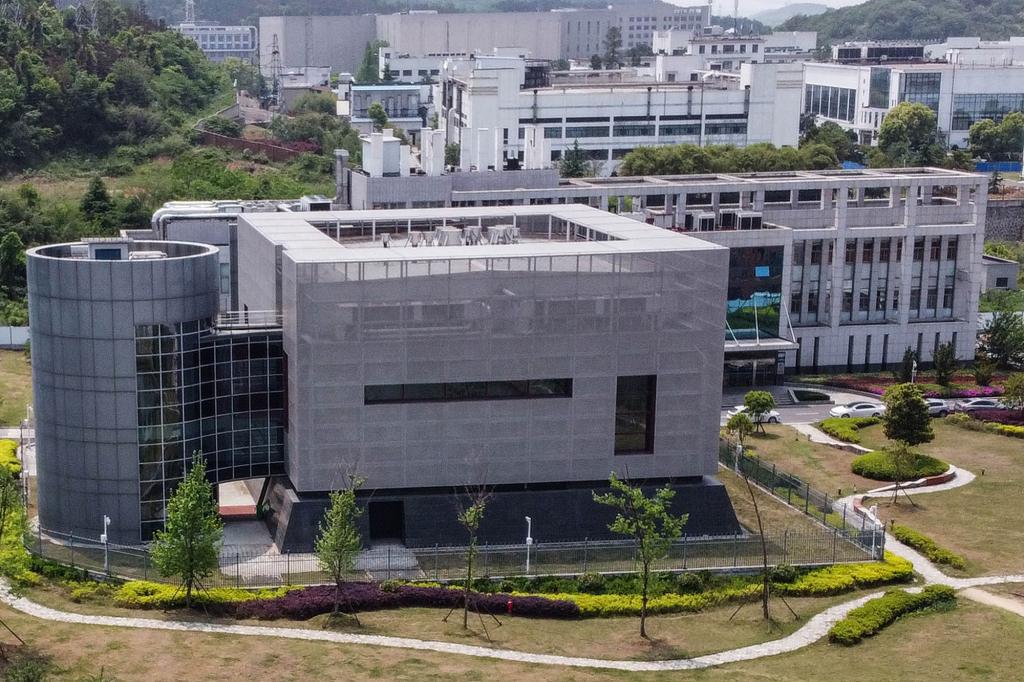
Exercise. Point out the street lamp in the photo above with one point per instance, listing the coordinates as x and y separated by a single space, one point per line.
529 541
913 372
106 545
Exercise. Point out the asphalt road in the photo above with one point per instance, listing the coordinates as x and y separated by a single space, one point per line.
797 414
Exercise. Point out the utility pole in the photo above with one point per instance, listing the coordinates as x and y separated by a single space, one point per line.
190 11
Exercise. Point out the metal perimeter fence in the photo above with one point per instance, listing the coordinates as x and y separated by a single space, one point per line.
799 494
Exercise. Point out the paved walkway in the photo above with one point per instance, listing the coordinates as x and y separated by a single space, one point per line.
816 435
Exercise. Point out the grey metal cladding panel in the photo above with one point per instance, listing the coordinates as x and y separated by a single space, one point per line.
121 277
142 282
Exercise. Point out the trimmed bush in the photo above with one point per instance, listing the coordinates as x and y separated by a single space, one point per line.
845 428
307 602
927 546
784 573
878 613
878 466
140 594
9 456
608 605
1008 417
965 421
838 579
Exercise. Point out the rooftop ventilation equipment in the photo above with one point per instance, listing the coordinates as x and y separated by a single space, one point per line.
749 220
79 250
147 255
449 236
499 234
385 240
473 234
417 238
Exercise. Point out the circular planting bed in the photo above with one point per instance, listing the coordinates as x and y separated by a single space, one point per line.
878 466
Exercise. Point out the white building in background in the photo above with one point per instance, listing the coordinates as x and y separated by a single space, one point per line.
858 96
493 107
221 42
975 51
405 105
720 50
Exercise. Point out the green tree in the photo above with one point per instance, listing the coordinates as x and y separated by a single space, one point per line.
612 46
223 126
470 517
452 154
998 141
904 371
573 163
906 415
944 363
649 522
369 68
983 371
995 183
1013 392
378 116
909 135
339 543
842 142
740 426
188 546
759 404
595 62
1002 340
12 260
96 204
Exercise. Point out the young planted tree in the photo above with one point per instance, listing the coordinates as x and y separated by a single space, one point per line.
649 522
452 154
906 415
1002 340
188 546
904 465
944 363
595 62
338 544
470 516
378 116
740 426
612 46
759 404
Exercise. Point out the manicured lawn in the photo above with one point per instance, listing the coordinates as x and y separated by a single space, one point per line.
15 386
775 515
983 521
825 468
973 642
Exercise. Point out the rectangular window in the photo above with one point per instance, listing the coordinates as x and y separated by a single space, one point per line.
573 132
634 414
632 130
816 253
883 251
933 299
851 251
868 251
936 250
919 249
951 247
467 390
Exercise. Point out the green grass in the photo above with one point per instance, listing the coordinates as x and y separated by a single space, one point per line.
15 386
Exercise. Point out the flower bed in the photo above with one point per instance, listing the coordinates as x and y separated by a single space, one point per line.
962 386
971 423
1008 417
307 602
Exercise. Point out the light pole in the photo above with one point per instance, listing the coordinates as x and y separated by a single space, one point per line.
529 541
106 545
913 372
22 425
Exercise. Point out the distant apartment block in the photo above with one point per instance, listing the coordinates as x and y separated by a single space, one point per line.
222 42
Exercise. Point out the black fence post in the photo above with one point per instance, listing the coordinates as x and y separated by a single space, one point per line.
835 538
684 551
39 534
586 548
435 561
824 511
238 577
789 494
389 564
288 567
145 566
807 497
785 546
735 549
72 550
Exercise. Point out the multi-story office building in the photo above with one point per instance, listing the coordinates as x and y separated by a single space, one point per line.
679 53
859 96
487 104
533 349
221 42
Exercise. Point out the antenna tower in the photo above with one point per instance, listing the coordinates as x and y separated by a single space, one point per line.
275 69
309 33
190 11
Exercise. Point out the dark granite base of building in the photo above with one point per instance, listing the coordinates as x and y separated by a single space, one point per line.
424 518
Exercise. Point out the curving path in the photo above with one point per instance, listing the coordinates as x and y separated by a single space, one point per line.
813 630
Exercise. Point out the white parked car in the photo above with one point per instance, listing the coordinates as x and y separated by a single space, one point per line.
858 409
771 417
971 404
937 407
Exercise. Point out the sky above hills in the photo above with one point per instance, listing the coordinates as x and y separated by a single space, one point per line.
751 7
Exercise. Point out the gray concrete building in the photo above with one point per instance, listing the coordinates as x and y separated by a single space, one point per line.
1000 273
531 349
846 269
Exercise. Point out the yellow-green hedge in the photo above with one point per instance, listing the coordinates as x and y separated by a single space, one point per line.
927 546
820 582
9 456
876 614
140 594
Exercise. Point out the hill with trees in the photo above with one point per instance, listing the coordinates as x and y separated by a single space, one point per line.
915 19
774 17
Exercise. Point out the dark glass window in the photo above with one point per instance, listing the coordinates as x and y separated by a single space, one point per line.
467 390
634 414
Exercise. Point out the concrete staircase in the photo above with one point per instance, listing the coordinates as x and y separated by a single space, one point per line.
734 396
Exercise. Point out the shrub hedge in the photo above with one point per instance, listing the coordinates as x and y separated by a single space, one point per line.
140 594
840 578
973 422
878 613
877 466
927 546
845 428
1007 417
9 456
307 602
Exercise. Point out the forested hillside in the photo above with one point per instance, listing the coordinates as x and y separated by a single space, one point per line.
67 87
920 19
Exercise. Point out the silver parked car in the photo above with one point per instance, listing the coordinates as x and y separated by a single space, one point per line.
770 417
972 404
937 407
860 408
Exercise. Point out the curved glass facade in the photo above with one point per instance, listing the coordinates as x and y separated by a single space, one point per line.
206 390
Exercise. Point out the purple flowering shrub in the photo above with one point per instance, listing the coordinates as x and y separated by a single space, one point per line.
1008 417
962 386
307 602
